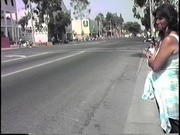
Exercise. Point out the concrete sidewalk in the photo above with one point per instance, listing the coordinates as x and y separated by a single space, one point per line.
10 48
143 117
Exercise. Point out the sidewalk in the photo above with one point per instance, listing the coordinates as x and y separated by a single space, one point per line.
70 43
143 117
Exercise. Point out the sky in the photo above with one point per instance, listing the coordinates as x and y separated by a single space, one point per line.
104 6
113 6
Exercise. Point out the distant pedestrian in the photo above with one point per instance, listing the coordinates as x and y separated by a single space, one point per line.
162 83
53 40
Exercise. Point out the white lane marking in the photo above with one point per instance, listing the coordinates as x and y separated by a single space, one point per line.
11 56
42 64
25 57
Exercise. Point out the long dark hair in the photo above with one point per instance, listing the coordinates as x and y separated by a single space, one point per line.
167 11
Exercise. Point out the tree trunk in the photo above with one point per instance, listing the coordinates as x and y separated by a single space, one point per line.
63 37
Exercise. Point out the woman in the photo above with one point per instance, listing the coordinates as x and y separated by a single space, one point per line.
162 82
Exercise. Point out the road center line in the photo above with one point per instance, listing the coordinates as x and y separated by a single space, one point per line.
42 64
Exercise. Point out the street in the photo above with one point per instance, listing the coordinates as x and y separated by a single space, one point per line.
70 89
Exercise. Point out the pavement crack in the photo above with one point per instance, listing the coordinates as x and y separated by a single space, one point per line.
90 115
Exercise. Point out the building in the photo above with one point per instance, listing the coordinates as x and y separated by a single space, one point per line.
9 27
84 28
30 33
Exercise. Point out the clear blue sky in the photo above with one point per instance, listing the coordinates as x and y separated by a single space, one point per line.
113 6
103 6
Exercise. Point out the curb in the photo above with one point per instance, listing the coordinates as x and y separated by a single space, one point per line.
3 49
143 117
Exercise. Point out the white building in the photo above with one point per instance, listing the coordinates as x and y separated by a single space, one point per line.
27 33
84 28
30 32
9 26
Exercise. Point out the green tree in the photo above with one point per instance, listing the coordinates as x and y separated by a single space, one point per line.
113 21
120 22
117 22
23 22
49 12
80 8
100 21
61 24
132 27
109 22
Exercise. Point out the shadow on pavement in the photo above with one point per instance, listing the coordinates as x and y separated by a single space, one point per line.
141 55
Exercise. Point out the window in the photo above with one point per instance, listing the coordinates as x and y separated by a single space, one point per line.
5 2
12 3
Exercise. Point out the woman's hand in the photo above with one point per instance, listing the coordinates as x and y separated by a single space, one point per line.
150 56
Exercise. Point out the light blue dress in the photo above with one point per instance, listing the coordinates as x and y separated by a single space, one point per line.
164 86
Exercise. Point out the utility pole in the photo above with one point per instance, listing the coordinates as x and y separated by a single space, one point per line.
151 5
32 27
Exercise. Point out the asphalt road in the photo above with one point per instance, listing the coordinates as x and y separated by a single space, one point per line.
69 89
